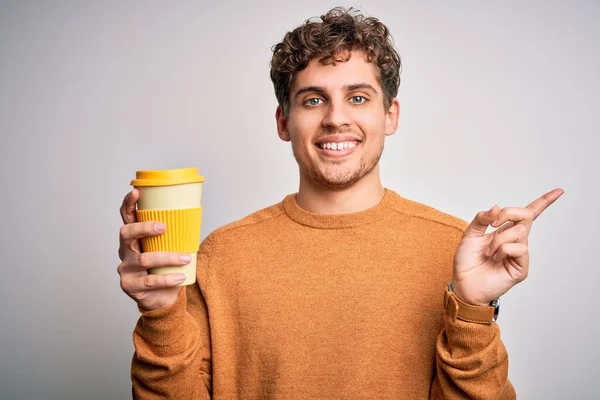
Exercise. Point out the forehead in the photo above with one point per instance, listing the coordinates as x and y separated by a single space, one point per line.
356 69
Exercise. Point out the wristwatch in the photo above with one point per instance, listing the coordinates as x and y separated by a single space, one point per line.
470 313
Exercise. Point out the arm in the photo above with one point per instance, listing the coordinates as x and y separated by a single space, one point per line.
471 362
172 345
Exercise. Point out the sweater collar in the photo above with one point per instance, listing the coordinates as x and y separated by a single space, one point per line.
336 221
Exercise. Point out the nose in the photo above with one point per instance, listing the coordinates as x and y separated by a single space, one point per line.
336 116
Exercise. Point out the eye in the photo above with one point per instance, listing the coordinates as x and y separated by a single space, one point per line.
315 101
357 99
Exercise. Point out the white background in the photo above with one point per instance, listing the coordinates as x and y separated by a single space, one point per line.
499 104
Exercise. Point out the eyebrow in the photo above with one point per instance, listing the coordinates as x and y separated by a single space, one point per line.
321 89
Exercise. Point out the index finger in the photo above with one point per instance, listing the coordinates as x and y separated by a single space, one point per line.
128 207
539 205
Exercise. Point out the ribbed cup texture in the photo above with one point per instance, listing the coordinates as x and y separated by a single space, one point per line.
183 229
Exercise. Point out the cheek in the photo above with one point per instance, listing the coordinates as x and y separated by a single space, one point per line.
372 128
299 144
302 132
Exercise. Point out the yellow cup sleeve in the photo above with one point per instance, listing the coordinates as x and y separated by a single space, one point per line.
183 229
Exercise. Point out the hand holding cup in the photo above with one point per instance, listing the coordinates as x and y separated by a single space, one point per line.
150 291
160 239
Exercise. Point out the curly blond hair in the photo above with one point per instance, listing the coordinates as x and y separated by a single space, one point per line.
331 37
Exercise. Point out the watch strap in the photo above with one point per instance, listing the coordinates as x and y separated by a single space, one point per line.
456 308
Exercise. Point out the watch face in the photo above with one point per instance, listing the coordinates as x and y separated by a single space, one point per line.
497 309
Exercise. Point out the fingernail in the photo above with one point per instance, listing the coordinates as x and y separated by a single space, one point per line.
185 258
159 227
180 278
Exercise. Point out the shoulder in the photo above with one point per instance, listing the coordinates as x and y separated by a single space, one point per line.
427 214
265 215
251 224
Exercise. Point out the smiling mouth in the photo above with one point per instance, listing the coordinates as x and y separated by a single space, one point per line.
338 146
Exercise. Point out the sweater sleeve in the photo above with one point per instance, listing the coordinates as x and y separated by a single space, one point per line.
471 362
172 358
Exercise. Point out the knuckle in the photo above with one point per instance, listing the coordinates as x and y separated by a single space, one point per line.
143 260
524 229
123 231
137 295
123 284
150 281
133 246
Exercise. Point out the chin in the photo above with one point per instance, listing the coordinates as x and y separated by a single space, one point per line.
338 181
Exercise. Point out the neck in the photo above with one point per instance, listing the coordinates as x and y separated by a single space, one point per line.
364 194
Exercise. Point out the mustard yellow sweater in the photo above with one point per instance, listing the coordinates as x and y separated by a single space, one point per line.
295 305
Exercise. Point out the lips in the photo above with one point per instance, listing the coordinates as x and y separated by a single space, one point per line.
341 149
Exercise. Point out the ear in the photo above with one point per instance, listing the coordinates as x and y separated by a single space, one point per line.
391 118
282 129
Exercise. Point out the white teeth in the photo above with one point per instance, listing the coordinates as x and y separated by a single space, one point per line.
338 145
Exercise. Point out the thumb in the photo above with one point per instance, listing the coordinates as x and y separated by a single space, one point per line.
128 207
482 220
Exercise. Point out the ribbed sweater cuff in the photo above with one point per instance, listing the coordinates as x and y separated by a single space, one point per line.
467 338
160 327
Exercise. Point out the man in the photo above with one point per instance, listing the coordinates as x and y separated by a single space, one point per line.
335 292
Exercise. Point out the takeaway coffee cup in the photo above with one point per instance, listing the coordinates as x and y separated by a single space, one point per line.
172 196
